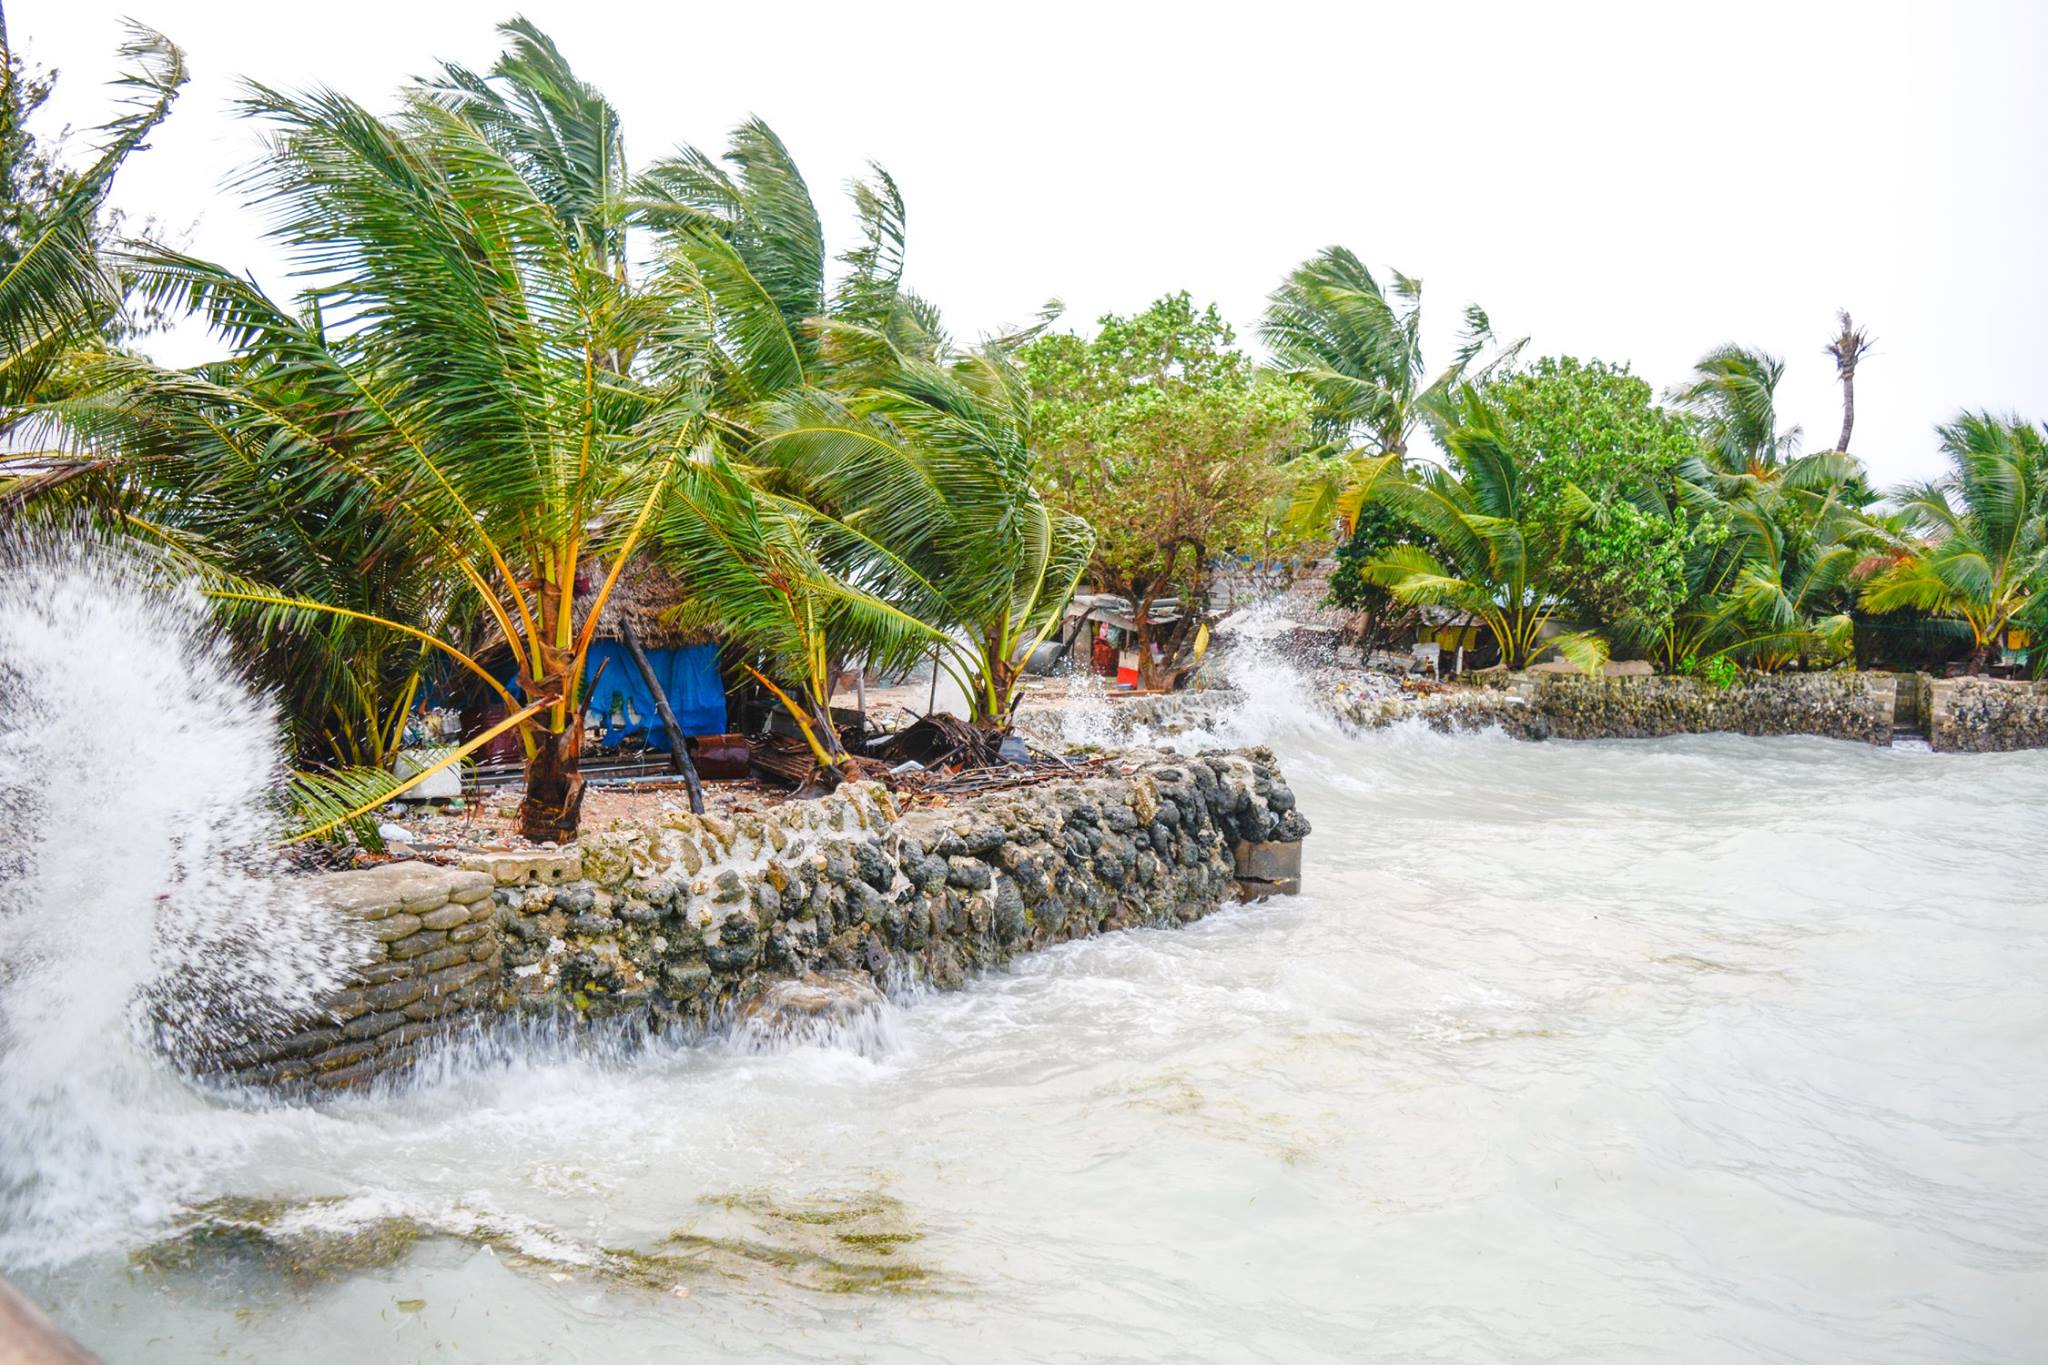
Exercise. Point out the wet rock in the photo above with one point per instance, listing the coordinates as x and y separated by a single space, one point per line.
1008 911
446 917
424 941
967 873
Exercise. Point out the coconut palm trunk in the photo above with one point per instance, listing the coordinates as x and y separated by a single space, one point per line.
553 805
1849 346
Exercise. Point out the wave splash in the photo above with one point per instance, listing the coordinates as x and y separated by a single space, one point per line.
141 919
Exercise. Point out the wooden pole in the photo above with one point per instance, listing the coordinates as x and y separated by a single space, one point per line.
678 745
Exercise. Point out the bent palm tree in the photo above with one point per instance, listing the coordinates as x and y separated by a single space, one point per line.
1734 394
908 465
1495 562
923 486
471 365
56 288
751 564
1359 351
1986 554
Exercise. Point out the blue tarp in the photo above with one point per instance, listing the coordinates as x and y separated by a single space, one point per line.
688 675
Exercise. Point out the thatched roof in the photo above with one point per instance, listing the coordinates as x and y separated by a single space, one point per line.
647 595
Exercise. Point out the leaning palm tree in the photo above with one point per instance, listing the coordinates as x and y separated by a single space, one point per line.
751 564
1985 556
469 363
56 286
1494 560
923 487
908 461
1360 351
1358 348
1776 588
233 509
1734 394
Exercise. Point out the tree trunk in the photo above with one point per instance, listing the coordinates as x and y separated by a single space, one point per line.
1141 619
678 744
1980 657
554 786
1848 407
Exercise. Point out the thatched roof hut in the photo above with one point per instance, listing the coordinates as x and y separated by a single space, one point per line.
653 599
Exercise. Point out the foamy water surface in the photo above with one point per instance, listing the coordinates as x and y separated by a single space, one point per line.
1707 1049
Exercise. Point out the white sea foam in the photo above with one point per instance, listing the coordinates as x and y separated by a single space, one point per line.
139 917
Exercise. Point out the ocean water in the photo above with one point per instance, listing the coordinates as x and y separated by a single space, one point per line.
1705 1049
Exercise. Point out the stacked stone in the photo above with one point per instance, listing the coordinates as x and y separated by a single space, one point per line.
683 922
1839 705
1986 715
432 964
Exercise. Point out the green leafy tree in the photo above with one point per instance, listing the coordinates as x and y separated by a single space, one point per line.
1158 432
1377 618
1592 432
1984 557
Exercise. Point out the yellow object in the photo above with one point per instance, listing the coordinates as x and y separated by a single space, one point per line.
2018 639
1201 640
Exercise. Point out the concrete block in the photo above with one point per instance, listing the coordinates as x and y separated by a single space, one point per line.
1267 862
528 867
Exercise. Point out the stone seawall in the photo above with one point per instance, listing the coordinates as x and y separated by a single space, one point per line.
687 923
433 957
1850 706
1984 715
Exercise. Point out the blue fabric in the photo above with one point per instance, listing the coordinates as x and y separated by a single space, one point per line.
688 675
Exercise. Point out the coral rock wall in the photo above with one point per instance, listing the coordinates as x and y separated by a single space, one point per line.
683 923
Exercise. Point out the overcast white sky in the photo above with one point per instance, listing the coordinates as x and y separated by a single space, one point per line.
1633 181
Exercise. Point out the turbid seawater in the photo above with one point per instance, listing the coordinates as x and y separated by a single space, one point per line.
1703 1049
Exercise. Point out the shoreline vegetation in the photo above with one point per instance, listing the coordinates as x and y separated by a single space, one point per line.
534 395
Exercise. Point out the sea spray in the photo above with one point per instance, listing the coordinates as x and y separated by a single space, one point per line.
142 923
1256 691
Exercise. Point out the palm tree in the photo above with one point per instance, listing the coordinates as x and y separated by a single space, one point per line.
56 287
1734 394
908 462
754 569
923 487
474 358
1985 556
1494 561
1849 346
1360 352
1776 588
236 510
1333 326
